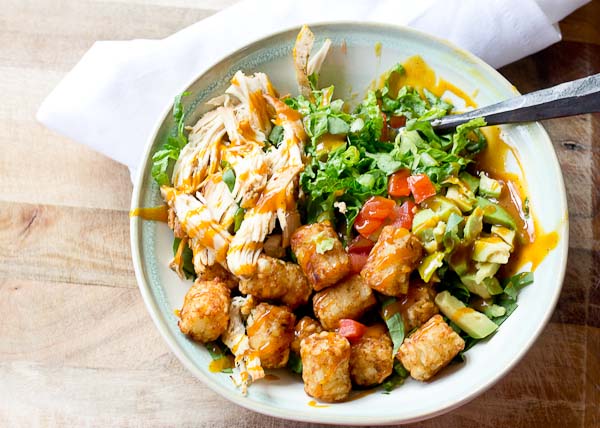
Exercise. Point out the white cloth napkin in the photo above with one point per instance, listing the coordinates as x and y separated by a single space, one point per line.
113 97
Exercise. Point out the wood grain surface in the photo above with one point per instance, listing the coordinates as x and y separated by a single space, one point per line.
77 347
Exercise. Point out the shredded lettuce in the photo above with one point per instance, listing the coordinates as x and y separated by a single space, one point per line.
187 258
164 158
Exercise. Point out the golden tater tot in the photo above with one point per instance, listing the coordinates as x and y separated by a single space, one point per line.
418 306
216 271
270 332
371 358
205 312
391 261
320 254
304 328
430 348
278 280
350 298
326 366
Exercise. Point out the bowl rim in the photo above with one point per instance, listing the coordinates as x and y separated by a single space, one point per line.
156 314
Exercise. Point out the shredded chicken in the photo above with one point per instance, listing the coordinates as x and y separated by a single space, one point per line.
232 187
304 66
248 368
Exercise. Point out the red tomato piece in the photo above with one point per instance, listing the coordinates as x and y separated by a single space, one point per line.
366 226
421 187
397 121
378 208
403 215
358 261
360 244
398 183
351 330
372 214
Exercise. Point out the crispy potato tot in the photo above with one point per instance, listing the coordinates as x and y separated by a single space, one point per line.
418 306
270 333
371 357
304 328
216 272
391 261
320 254
350 298
430 348
278 280
326 366
205 312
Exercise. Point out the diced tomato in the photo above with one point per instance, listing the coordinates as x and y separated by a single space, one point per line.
421 187
398 183
384 130
351 330
397 121
358 261
403 215
378 207
372 214
365 226
360 244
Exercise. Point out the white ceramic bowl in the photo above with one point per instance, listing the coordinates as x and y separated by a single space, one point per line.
353 71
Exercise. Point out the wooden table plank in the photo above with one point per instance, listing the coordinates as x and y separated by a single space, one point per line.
78 347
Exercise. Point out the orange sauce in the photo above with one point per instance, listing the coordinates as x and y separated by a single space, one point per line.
534 243
225 362
159 213
313 403
271 377
258 106
419 75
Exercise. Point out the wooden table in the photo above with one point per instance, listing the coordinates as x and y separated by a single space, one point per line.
77 346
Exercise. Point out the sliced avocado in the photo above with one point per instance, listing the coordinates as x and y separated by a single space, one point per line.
485 270
459 262
473 226
442 206
453 233
489 187
475 287
494 311
505 233
486 288
430 264
474 323
493 286
471 181
424 219
462 200
491 249
494 214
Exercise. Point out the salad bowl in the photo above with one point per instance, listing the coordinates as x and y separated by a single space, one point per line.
360 54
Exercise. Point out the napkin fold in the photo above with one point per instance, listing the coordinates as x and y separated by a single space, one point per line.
113 97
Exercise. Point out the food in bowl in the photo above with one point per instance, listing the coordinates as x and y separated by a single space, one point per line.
356 248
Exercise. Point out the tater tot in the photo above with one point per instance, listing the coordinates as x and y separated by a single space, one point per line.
350 298
391 261
371 357
216 271
326 366
320 254
278 280
205 312
430 348
418 306
270 332
304 328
